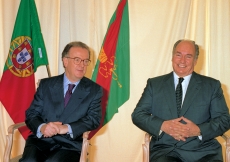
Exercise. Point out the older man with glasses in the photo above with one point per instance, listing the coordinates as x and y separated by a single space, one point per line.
64 107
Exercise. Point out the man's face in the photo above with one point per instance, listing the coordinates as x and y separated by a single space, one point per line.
75 72
184 59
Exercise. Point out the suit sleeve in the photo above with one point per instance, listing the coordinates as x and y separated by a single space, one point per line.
92 120
142 116
34 112
219 121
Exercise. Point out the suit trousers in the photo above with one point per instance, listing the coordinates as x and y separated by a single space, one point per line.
33 154
208 158
175 157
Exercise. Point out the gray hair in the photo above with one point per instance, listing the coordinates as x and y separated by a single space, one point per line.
193 42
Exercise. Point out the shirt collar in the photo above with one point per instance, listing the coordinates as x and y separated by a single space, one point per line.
186 79
66 82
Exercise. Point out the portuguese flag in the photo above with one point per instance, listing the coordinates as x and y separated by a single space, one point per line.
112 70
27 52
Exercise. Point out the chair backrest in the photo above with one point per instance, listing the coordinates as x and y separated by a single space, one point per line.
147 139
9 144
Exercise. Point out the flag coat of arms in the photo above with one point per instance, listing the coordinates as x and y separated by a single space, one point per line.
27 52
112 70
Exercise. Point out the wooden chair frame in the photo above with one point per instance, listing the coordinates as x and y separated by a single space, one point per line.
147 139
9 144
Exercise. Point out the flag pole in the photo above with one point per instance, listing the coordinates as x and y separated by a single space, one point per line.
48 70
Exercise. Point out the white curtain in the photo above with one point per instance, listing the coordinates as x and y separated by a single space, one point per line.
154 27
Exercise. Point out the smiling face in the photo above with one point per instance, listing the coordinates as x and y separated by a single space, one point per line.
184 58
75 72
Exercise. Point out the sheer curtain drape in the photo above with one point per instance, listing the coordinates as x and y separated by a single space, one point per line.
154 27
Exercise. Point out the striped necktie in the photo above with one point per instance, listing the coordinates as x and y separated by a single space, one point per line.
179 94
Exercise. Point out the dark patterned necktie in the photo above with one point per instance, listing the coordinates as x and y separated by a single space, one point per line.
68 93
179 94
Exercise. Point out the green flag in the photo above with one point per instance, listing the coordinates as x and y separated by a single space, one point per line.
112 70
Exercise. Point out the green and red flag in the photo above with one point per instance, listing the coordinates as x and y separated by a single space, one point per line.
112 70
27 52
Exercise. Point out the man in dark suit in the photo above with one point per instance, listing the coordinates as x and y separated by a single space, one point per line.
187 134
57 126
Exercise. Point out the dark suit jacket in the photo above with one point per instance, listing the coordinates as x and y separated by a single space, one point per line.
82 113
204 104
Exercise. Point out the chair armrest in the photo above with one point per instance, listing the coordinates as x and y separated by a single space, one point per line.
85 146
9 140
15 126
227 140
145 147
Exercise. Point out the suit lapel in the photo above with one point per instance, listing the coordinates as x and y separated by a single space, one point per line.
192 90
169 91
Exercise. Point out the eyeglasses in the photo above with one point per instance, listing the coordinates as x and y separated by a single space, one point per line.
77 61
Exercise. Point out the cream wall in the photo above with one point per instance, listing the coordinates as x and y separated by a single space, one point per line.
154 27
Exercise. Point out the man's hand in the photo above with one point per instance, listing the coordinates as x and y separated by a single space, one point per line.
50 129
175 129
194 130
63 129
180 131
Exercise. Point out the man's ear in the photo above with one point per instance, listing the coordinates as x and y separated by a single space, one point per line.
195 62
65 61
